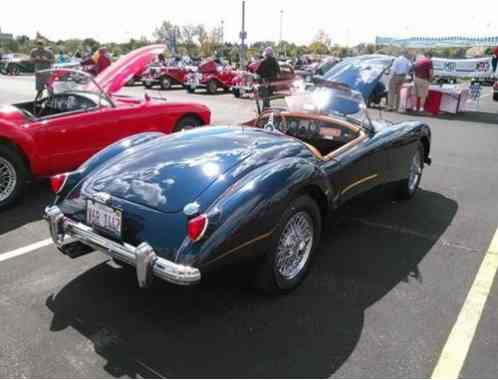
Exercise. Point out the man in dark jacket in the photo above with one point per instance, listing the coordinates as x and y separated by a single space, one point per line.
43 59
268 70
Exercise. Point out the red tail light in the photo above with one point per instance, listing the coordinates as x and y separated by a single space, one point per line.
196 227
57 182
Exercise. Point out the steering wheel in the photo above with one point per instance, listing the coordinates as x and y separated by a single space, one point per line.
40 103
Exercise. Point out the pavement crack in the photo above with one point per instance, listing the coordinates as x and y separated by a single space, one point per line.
411 232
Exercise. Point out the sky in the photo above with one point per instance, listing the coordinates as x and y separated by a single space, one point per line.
347 22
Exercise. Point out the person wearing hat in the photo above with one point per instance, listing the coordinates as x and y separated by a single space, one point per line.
42 59
268 70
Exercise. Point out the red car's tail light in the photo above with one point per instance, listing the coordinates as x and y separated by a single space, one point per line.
196 227
57 182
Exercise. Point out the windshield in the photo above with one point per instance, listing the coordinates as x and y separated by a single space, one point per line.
330 99
60 81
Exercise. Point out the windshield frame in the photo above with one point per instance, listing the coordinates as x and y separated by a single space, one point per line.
101 93
361 118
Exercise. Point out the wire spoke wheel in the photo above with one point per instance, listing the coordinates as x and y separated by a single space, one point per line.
8 179
295 244
415 172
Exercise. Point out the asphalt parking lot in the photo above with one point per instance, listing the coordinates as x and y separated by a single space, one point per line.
393 285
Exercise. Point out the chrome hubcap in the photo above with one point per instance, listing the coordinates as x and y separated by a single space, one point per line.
8 179
415 172
166 83
295 245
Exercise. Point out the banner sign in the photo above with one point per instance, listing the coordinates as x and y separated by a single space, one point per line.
430 42
473 68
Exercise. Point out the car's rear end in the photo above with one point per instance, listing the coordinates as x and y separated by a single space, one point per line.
153 206
142 206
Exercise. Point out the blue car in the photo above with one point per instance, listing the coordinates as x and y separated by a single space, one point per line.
176 207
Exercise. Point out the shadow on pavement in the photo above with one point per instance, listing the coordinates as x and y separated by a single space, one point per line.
473 117
225 329
29 209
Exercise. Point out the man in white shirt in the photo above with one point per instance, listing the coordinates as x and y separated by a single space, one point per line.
399 70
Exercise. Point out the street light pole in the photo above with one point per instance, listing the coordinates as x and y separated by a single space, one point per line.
243 36
281 29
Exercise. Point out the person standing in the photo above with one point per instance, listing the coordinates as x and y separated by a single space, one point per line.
400 69
494 59
43 59
102 60
268 70
423 79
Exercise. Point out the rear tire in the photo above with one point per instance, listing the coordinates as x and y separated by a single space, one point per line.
295 240
166 83
409 186
212 87
186 123
190 90
236 92
147 85
13 176
495 96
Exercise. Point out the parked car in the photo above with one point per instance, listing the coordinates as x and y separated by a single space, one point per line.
16 64
317 69
245 80
77 117
212 76
176 207
166 76
374 68
246 83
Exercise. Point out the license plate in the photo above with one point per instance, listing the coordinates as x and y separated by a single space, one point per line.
104 217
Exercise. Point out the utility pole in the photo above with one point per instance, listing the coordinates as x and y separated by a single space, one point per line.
243 37
281 29
222 36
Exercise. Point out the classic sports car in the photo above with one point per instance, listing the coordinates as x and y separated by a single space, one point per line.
16 64
175 207
212 76
77 117
373 69
166 76
246 83
317 69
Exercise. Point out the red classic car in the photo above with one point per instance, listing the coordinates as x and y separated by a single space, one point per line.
212 76
245 83
78 116
165 76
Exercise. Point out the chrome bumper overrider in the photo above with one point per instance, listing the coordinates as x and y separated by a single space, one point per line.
143 257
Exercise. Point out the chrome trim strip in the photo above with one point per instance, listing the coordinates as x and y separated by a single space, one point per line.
243 245
143 257
357 183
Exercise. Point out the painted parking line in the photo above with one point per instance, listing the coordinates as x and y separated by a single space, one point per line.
24 250
457 346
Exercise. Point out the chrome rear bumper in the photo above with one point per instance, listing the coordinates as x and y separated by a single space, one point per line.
64 230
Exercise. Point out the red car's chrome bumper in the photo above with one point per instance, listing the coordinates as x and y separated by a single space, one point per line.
64 231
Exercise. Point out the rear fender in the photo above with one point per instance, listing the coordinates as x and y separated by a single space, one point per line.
24 143
243 218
